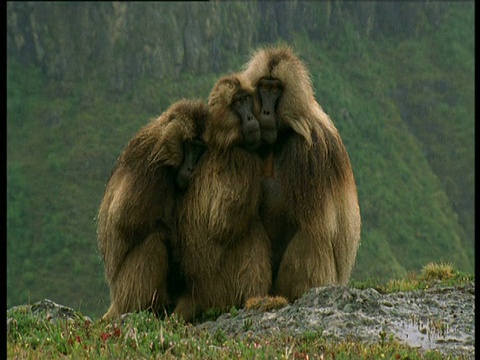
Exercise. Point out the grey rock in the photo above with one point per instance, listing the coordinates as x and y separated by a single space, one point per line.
440 319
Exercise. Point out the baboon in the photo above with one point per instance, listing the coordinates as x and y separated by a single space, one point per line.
224 249
310 206
135 214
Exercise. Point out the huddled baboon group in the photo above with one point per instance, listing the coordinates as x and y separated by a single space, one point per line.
249 195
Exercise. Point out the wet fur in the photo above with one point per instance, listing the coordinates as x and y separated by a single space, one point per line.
224 248
136 212
310 206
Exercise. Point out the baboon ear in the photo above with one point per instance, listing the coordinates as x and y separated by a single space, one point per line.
168 149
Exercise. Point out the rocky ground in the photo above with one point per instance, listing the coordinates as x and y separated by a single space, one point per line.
441 318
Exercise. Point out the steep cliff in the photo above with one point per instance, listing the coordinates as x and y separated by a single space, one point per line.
128 40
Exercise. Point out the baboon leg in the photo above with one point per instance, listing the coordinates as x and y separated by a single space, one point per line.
243 272
252 266
141 282
307 262
186 308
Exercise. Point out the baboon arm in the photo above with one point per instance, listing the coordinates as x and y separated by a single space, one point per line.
235 199
167 149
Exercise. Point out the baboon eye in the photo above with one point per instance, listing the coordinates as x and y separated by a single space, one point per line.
241 100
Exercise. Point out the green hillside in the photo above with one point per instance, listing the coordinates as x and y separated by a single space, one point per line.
403 105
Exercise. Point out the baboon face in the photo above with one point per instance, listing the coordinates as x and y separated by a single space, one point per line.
269 92
242 104
192 152
232 122
295 97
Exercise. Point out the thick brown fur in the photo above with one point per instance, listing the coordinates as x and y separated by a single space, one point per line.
224 248
310 208
135 215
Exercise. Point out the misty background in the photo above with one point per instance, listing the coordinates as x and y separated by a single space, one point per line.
397 79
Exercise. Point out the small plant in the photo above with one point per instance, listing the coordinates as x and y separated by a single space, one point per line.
212 314
311 336
383 336
433 271
233 311
438 327
220 336
247 324
408 284
266 303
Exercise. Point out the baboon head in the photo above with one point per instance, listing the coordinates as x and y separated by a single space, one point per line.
283 88
232 121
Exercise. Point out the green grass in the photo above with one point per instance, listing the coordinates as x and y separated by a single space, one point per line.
142 335
431 274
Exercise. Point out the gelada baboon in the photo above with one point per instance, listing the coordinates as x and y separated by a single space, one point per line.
310 208
135 214
224 248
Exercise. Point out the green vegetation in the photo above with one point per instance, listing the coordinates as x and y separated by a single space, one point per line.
404 107
142 335
431 274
